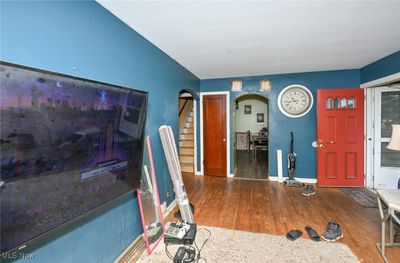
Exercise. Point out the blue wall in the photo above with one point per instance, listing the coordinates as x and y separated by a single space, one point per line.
384 67
280 126
58 36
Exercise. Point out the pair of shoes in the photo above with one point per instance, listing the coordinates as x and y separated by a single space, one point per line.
309 190
333 232
292 235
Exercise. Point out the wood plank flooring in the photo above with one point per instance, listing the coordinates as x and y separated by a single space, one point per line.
269 207
251 166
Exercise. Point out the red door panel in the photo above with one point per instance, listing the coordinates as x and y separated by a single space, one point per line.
340 133
214 132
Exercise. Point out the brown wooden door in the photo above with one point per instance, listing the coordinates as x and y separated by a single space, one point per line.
214 132
340 131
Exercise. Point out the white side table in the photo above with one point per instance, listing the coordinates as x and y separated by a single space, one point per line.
391 200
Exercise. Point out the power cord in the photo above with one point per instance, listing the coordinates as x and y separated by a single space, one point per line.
199 250
168 253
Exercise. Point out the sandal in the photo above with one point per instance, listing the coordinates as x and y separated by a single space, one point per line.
313 234
292 235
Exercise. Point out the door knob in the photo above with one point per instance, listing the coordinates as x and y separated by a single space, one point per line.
224 140
320 143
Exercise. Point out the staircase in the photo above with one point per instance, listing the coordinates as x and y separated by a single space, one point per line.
186 145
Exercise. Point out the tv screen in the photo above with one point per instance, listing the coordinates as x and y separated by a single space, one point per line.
68 146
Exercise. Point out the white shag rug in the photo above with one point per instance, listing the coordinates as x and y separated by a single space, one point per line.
228 245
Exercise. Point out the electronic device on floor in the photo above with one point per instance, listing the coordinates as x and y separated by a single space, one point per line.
184 255
180 233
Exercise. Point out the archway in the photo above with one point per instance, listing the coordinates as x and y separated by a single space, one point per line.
250 136
187 130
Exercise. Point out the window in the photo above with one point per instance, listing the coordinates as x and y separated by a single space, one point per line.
340 103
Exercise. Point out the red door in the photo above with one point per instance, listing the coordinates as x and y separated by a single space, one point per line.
214 132
340 133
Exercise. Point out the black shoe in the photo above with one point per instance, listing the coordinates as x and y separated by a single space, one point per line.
292 235
309 190
333 232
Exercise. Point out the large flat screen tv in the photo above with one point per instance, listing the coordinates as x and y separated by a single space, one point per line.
68 146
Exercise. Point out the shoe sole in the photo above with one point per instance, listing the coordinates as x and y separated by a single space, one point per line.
308 194
332 240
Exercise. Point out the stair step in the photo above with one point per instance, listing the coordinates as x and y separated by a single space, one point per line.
189 125
188 168
186 150
186 143
186 137
188 130
189 119
186 159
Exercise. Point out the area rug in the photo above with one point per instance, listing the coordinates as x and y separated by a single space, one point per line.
361 195
227 245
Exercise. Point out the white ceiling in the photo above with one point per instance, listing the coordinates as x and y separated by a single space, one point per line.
214 39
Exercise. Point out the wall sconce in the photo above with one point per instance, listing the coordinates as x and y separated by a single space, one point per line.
265 85
236 85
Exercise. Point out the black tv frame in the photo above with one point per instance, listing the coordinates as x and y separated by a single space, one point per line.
71 224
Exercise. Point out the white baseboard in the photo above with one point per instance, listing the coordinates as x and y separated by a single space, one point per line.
303 180
198 173
230 175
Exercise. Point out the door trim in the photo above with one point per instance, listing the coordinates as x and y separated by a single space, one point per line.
381 81
228 133
370 120
195 136
369 135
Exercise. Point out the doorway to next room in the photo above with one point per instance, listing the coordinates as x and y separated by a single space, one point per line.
186 132
250 130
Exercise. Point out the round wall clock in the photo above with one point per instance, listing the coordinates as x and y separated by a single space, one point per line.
295 101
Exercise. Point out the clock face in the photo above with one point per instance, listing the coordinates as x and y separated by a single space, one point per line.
295 101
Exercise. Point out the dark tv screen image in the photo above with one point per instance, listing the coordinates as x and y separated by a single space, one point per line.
68 146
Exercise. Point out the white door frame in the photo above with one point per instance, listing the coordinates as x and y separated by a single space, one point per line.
228 133
374 136
369 122
194 136
369 137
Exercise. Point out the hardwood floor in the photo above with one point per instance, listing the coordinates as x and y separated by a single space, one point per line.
269 207
251 166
